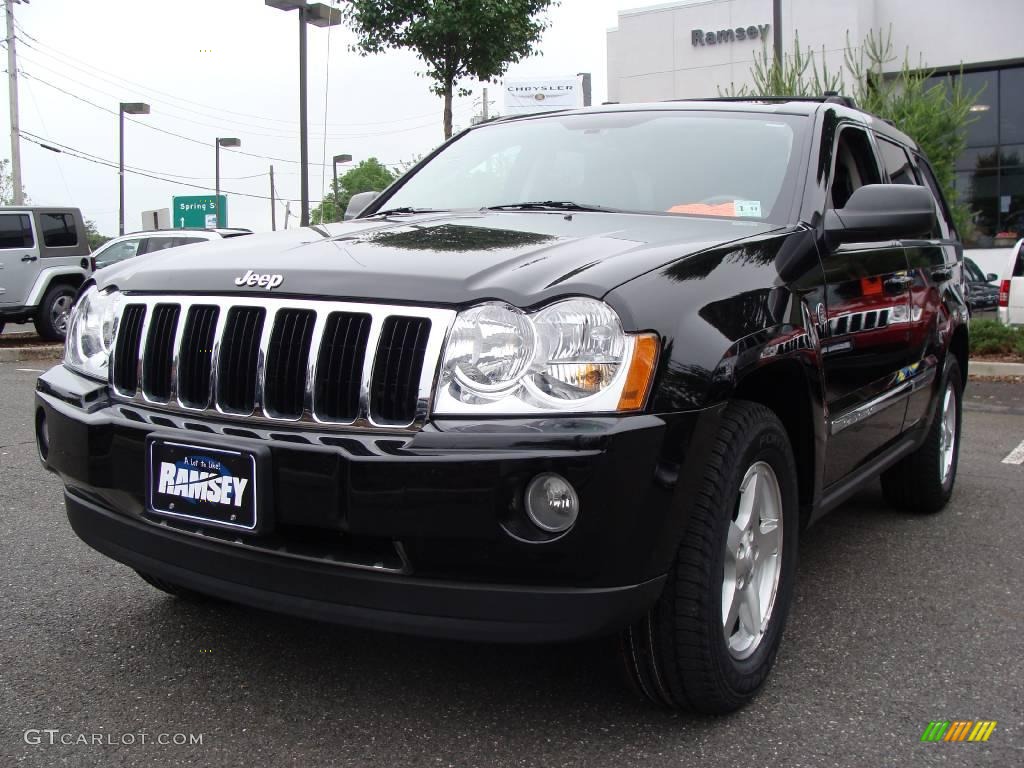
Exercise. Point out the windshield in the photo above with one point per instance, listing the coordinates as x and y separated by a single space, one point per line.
672 162
974 273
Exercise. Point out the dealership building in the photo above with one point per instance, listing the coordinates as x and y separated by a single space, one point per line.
702 48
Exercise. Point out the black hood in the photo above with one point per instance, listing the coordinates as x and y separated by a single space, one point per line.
449 259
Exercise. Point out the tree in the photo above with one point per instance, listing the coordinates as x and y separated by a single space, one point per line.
369 176
456 39
95 238
934 115
7 184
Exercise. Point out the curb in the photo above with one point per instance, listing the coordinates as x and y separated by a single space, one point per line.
984 369
42 352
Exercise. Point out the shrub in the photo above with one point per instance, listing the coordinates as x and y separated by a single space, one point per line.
990 337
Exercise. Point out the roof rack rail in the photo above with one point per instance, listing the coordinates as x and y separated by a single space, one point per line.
829 97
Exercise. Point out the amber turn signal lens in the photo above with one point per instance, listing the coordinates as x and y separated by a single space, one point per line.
641 372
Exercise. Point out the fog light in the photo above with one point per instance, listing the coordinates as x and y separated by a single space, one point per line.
552 503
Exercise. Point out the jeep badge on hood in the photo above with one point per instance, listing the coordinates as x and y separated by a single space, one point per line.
252 279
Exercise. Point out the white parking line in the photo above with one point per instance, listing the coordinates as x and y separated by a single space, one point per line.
1016 456
30 370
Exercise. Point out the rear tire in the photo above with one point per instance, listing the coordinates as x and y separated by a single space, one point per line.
182 593
707 645
923 481
52 315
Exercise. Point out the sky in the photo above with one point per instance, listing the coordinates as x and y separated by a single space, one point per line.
229 68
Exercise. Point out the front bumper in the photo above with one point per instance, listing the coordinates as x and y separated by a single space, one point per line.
419 533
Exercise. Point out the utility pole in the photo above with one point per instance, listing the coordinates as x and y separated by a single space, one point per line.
777 31
319 15
12 88
287 212
483 109
273 202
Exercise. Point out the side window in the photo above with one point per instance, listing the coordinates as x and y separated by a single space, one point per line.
159 243
117 252
58 230
1018 265
188 240
854 167
948 229
896 162
16 231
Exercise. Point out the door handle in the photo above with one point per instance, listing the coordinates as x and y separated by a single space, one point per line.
901 281
26 257
942 274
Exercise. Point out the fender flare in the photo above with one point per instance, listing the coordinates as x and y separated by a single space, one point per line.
46 277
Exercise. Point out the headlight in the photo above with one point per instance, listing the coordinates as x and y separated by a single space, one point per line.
91 332
571 356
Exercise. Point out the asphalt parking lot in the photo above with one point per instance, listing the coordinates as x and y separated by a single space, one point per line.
898 620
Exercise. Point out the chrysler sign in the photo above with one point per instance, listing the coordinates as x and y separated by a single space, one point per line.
704 37
542 95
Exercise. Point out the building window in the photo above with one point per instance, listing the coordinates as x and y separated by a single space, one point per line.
990 172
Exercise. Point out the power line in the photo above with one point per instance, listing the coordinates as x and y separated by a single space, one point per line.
88 157
149 126
58 56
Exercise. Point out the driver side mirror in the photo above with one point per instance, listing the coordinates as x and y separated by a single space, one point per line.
991 277
882 212
358 203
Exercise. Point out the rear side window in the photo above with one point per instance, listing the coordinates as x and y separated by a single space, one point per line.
159 243
188 240
946 219
1018 265
58 230
16 231
896 162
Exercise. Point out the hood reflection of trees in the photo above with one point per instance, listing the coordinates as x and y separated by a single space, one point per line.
455 237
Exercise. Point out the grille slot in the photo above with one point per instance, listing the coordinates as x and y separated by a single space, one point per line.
195 359
239 358
156 368
287 359
328 364
340 368
126 352
396 370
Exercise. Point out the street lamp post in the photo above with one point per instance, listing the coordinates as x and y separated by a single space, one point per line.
216 199
127 108
319 15
334 178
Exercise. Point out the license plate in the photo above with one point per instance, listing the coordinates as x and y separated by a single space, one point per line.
208 485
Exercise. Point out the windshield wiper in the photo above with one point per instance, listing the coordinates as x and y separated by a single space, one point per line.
403 209
547 205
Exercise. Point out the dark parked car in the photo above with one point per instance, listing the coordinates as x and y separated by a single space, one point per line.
575 374
982 294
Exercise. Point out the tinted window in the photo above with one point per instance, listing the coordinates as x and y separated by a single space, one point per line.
854 167
115 252
15 231
945 220
188 240
676 162
58 229
1011 105
1018 265
896 162
159 243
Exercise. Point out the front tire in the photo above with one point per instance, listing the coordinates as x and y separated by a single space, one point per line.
710 641
51 319
923 481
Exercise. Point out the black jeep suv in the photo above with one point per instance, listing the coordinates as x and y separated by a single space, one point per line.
578 373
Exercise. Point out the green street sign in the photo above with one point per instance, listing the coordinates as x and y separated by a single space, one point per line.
199 212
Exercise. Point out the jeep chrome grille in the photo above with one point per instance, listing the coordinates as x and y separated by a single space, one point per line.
331 363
